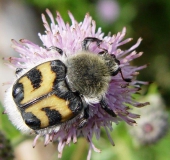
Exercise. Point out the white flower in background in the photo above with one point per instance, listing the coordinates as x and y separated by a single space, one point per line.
153 123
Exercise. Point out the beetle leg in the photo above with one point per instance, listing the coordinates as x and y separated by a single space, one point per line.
60 51
105 106
103 53
18 71
86 42
85 114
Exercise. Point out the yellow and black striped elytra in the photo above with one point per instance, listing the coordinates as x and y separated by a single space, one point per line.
43 97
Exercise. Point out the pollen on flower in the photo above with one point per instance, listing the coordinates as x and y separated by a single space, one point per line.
66 41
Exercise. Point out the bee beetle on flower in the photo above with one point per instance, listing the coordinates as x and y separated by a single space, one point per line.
79 82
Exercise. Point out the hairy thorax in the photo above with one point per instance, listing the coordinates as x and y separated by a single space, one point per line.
88 74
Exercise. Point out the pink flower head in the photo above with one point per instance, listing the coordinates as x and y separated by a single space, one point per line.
69 38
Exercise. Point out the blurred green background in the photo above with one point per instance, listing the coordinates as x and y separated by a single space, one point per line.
149 19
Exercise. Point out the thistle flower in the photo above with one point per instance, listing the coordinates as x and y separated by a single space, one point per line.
69 38
153 124
108 10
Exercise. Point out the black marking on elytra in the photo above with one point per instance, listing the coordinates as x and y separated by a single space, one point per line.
75 102
35 77
31 120
59 68
18 93
53 115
